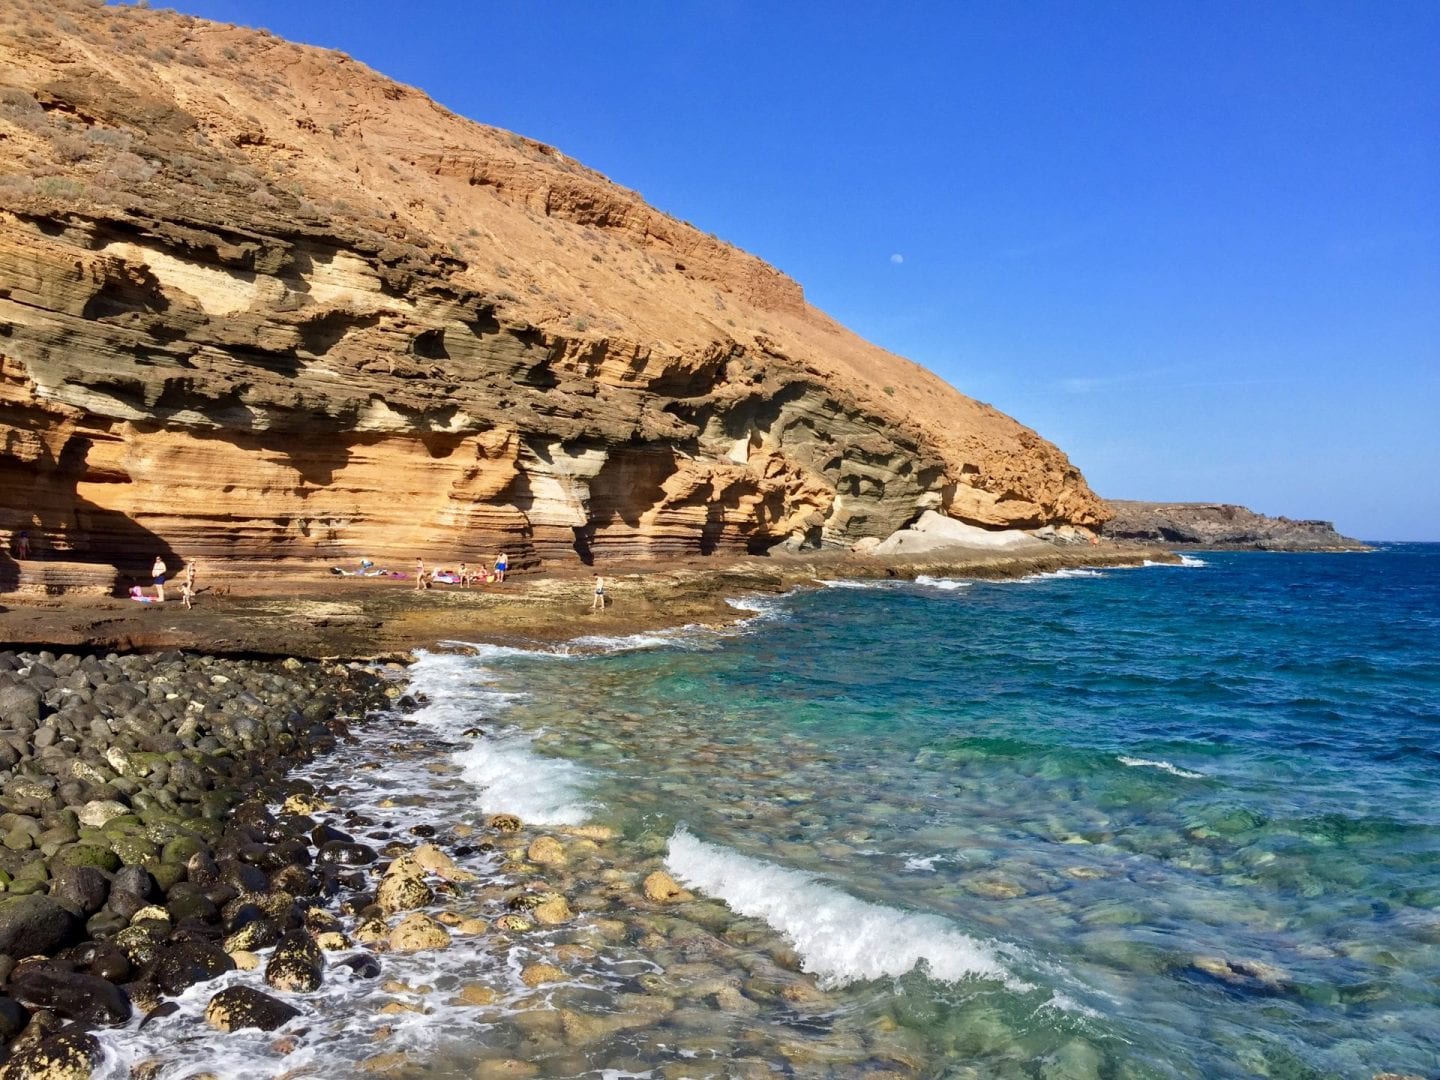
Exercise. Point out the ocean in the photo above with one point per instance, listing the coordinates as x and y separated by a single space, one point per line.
1166 821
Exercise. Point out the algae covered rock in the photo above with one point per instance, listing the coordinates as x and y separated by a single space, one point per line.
663 889
418 932
239 1007
66 1055
296 964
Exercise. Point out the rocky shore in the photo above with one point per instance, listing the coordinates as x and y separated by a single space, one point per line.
138 857
175 818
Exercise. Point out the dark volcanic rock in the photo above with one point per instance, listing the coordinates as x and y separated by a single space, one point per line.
72 995
66 1055
182 964
36 924
238 1007
296 964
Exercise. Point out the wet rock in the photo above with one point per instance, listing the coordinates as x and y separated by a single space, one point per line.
363 964
417 932
12 1019
36 924
183 964
505 823
296 964
515 924
437 862
159 1012
66 1055
474 994
305 804
245 961
533 975
661 888
504 1069
547 851
372 932
401 892
1249 974
83 887
259 933
70 994
345 853
552 910
239 1007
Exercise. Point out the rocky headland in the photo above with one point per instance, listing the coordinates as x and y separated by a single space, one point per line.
265 307
1220 525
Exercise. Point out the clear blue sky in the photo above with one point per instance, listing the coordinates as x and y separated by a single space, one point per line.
1195 244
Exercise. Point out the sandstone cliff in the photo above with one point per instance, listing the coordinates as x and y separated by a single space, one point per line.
257 301
1221 525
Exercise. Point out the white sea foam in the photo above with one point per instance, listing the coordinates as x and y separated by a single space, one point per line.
1052 575
926 865
852 583
947 584
1185 560
509 774
840 939
1163 766
514 779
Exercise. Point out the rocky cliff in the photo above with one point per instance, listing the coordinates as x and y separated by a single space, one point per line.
257 301
1221 525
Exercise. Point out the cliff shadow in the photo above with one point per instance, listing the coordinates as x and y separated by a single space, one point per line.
65 527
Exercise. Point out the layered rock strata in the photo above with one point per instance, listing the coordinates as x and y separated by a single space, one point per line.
258 302
1221 525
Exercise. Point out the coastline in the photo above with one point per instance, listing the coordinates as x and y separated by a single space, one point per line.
275 883
309 614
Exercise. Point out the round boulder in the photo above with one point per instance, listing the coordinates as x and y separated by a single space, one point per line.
238 1007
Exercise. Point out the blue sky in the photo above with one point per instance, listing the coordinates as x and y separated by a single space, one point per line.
1195 244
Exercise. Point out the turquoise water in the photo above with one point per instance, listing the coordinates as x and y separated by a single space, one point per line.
1170 821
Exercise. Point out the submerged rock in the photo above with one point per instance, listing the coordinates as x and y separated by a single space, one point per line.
663 889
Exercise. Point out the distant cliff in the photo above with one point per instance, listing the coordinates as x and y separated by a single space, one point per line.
1220 525
260 302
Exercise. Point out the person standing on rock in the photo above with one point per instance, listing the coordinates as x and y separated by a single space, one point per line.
419 575
464 576
22 545
598 603
190 569
158 572
502 564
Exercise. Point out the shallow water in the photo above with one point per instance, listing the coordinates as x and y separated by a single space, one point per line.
1168 822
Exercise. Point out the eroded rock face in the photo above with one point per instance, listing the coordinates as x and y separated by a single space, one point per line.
258 301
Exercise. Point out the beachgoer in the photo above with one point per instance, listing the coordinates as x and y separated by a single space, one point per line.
502 564
419 574
464 575
22 545
186 593
190 569
158 572
598 603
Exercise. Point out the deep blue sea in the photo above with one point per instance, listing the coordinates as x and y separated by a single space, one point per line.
1170 821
